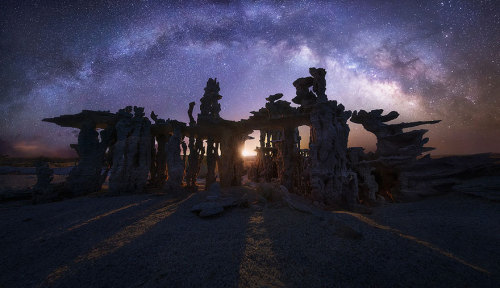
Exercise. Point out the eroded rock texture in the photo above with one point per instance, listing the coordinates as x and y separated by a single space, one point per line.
265 167
288 158
195 159
278 154
174 160
231 161
330 178
132 152
212 156
87 176
368 186
327 172
210 107
304 97
158 155
392 143
209 115
196 152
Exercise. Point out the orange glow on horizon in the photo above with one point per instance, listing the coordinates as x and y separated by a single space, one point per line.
247 153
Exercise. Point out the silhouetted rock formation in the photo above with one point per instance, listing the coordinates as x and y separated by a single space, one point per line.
87 176
132 152
158 155
174 160
327 172
368 186
196 152
210 106
304 97
231 162
288 155
330 178
392 143
102 119
210 109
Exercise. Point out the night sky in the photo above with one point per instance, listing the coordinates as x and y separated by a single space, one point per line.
425 59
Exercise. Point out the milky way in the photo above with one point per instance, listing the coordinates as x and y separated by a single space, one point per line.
429 60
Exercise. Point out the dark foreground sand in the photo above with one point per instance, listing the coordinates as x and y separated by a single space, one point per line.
154 241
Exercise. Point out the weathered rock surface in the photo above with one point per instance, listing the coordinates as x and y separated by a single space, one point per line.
132 152
368 186
209 115
158 155
196 153
231 161
393 144
210 106
207 209
212 156
215 205
326 172
304 97
174 160
195 159
87 176
328 147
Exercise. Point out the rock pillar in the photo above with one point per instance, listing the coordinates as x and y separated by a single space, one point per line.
174 161
288 158
86 177
132 153
231 168
329 173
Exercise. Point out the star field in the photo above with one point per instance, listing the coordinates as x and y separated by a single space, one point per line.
424 59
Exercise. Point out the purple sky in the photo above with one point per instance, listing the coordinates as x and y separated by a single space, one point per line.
425 59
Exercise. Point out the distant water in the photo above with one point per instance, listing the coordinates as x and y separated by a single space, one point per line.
32 170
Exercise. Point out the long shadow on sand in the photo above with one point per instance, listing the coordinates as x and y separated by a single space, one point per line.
169 247
38 242
150 241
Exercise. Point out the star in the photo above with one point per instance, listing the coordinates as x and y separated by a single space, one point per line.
426 60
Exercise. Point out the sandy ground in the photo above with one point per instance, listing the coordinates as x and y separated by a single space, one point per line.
154 241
